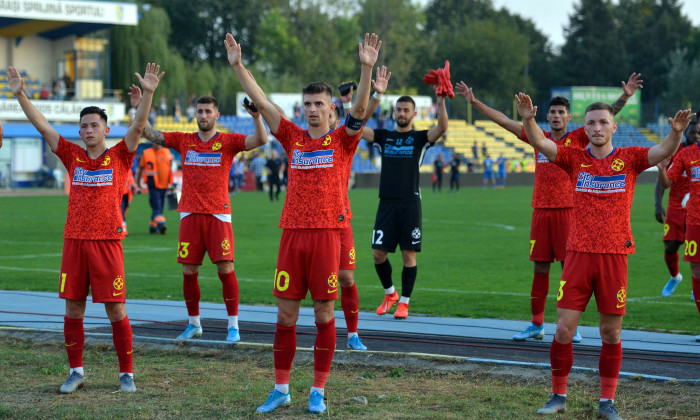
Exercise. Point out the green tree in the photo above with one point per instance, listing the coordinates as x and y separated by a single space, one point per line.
398 24
134 46
683 91
593 53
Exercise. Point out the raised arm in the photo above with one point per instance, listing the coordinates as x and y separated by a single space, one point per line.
35 117
149 83
436 132
150 133
380 85
628 90
369 51
268 111
259 138
670 144
534 134
496 116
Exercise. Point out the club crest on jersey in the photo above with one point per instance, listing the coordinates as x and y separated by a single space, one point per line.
312 160
225 245
416 233
202 159
97 178
567 142
118 283
216 146
622 295
351 255
617 165
327 140
333 281
107 161
600 184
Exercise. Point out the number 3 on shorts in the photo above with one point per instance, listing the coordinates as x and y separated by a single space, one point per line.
182 249
561 290
281 280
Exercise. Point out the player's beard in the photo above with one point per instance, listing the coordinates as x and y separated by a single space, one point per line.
205 126
404 123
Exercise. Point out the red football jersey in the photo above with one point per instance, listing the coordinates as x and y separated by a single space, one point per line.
603 192
553 188
679 188
346 183
686 165
317 188
205 169
96 190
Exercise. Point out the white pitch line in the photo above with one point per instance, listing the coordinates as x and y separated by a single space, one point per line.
498 225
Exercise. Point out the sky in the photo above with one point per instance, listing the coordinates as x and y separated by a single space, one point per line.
551 15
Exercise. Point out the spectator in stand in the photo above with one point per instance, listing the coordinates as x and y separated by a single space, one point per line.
163 106
257 165
177 110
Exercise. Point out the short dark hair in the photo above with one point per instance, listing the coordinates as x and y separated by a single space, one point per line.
208 100
406 98
94 110
559 101
317 87
596 106
337 113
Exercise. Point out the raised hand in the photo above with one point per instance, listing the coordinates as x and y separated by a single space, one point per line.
150 79
525 108
233 50
681 120
16 81
632 84
254 114
135 96
370 50
462 89
382 81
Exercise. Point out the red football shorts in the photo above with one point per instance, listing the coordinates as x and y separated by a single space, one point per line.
548 233
200 233
347 249
674 225
308 260
692 239
585 274
92 264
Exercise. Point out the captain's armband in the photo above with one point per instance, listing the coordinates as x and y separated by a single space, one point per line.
353 123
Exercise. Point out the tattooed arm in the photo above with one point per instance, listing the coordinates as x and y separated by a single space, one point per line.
629 89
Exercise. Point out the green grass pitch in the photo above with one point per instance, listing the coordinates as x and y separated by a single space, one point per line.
474 261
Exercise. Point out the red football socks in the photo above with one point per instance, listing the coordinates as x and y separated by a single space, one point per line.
538 297
609 367
350 302
284 349
672 263
123 339
230 291
561 357
190 289
324 347
74 335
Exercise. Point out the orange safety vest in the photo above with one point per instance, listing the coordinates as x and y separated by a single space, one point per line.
158 165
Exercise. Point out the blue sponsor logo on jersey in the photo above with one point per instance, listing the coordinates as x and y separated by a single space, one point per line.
542 158
312 160
96 178
403 148
202 159
694 174
600 183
